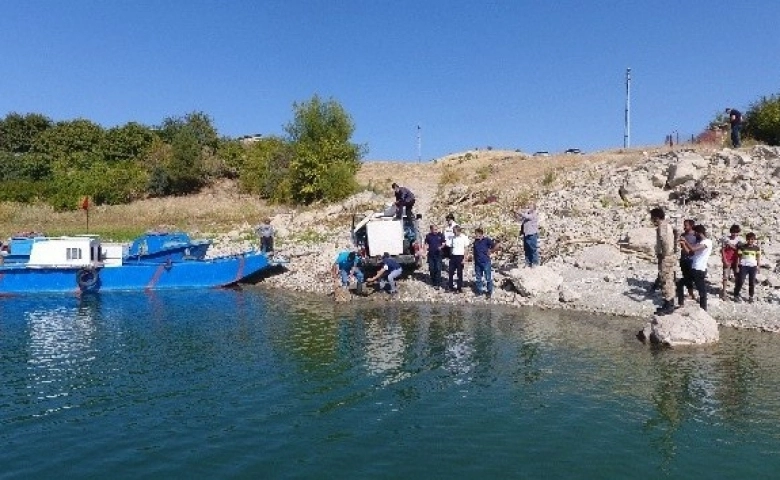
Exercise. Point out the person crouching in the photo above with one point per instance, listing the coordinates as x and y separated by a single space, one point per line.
392 269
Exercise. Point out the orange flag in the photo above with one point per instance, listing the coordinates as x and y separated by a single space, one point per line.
85 203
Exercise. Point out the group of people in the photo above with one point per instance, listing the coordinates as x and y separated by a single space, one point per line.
452 244
740 257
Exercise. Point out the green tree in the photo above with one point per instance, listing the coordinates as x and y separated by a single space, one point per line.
200 125
320 135
763 120
131 141
185 166
71 137
266 169
19 132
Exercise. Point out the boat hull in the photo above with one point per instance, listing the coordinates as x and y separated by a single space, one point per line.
132 275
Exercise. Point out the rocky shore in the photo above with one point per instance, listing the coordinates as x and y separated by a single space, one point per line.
596 239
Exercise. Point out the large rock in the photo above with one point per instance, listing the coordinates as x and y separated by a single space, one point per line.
689 325
688 167
599 257
530 282
639 187
641 240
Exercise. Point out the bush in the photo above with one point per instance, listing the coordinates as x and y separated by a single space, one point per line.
763 120
320 134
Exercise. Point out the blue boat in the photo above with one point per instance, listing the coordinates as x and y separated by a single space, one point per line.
154 261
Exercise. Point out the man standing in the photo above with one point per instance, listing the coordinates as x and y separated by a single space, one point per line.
392 269
404 198
449 234
735 121
458 246
346 266
266 233
483 248
434 241
686 259
701 254
664 251
529 231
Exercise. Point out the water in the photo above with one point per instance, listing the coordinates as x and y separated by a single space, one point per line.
253 385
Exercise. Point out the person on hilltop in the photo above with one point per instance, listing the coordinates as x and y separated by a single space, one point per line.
664 252
735 122
701 253
266 233
529 231
392 269
433 244
686 259
404 199
728 253
749 255
483 248
458 246
346 265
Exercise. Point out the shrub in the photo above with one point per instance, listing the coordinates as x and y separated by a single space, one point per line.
763 120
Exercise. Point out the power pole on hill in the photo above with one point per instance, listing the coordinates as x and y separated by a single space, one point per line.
627 130
419 144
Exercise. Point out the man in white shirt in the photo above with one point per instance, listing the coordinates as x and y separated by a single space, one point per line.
700 255
458 245
449 233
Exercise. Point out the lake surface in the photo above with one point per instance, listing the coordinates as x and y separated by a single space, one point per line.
252 384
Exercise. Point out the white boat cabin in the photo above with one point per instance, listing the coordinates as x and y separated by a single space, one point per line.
81 251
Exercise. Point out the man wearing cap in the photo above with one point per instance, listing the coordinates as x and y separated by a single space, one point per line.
404 198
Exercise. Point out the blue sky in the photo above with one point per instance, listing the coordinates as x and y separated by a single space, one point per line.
529 75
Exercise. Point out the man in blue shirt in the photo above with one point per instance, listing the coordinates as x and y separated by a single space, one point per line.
404 198
392 269
346 265
735 122
434 242
483 248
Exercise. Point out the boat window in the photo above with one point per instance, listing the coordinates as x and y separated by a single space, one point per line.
74 254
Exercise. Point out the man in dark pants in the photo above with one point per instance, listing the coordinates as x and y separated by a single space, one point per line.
483 248
458 246
434 242
404 198
686 259
701 253
735 121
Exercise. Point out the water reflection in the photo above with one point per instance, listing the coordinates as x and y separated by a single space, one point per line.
60 350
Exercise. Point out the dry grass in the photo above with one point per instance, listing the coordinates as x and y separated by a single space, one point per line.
217 210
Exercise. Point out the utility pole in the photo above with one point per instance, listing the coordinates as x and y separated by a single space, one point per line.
627 131
419 144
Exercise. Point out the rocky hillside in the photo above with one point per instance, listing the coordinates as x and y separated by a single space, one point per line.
596 237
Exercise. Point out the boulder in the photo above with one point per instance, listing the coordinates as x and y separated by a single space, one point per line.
530 282
599 257
688 167
639 187
689 325
766 152
567 294
641 240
